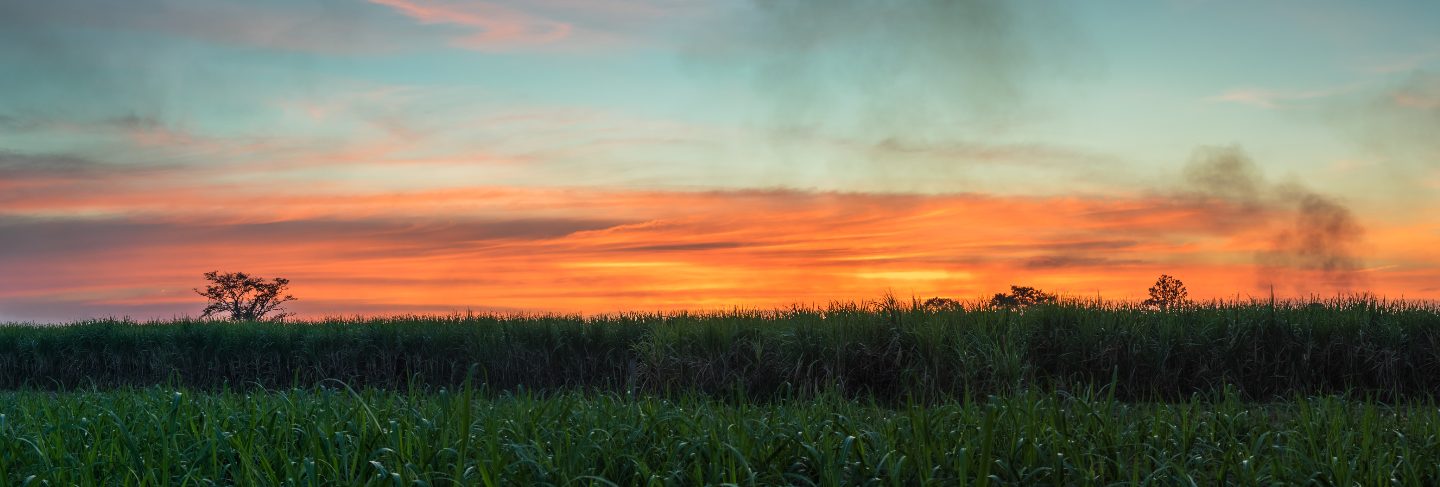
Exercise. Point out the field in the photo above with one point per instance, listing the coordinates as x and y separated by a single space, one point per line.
329 435
1336 393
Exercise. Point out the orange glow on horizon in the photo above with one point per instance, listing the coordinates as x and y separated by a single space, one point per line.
597 251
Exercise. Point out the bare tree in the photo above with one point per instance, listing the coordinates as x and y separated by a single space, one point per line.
1167 293
245 297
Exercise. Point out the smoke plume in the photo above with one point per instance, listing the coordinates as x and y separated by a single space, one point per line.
902 82
1315 245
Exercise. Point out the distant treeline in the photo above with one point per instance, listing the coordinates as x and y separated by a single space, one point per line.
889 351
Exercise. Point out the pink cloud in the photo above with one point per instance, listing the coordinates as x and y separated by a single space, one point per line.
1417 100
495 26
602 250
1270 98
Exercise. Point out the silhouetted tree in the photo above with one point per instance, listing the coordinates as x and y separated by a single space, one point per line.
940 304
1167 293
1022 296
245 297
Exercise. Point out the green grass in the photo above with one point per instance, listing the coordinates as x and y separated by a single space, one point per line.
889 352
1340 393
333 436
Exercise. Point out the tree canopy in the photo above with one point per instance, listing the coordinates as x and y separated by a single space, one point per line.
245 297
1168 292
1022 296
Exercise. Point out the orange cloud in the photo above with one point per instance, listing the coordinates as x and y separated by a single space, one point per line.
595 250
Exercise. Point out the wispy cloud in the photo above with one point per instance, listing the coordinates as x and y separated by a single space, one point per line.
507 25
1398 122
599 250
493 26
325 26
1421 91
1406 63
1271 99
344 27
16 166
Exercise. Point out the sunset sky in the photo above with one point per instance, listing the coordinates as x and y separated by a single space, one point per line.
594 156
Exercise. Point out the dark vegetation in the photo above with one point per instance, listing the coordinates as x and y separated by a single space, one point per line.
1025 388
1021 296
243 297
1167 293
335 436
889 351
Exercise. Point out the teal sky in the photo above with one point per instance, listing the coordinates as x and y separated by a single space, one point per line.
1109 93
1008 99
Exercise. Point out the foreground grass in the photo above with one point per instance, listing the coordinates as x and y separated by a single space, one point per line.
890 352
333 436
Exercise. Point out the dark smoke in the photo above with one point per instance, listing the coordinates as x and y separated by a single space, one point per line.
914 59
1319 240
1226 173
1323 238
904 82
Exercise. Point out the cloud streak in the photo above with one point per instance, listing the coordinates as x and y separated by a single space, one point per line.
324 26
601 250
493 26
1273 99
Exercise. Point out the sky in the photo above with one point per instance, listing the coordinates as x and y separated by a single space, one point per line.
597 156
